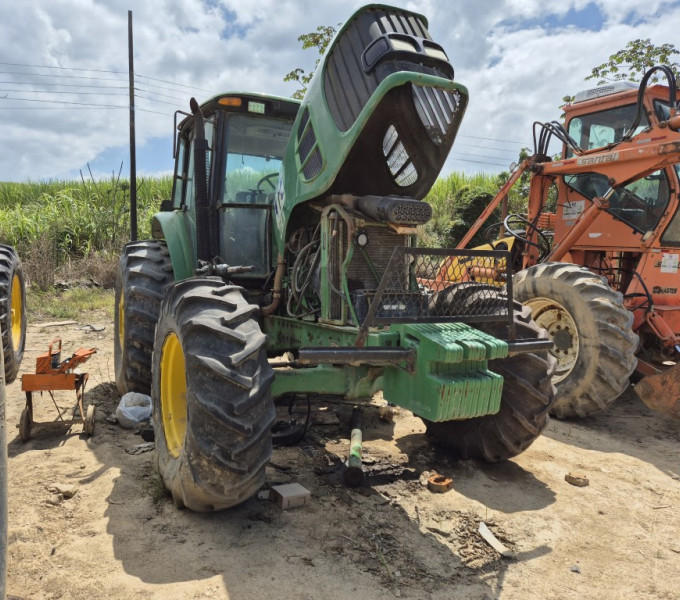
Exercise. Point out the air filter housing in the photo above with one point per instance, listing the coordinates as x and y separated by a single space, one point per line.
395 210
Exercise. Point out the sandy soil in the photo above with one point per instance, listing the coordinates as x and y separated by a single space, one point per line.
120 537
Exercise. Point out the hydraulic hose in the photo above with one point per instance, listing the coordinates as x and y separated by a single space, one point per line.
278 279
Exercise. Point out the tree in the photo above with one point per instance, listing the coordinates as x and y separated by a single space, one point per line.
634 60
319 39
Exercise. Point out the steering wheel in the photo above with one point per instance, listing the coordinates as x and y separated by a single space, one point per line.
490 234
268 179
522 229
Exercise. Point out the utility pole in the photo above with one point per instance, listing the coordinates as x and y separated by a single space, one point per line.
133 153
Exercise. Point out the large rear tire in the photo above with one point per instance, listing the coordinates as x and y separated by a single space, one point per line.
12 311
212 407
526 398
144 271
592 332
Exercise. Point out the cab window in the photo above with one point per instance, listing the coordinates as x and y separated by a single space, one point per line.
255 149
640 204
605 127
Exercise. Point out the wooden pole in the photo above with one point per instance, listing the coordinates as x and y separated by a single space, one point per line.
133 153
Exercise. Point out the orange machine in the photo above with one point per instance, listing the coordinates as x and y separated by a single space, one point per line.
604 280
50 375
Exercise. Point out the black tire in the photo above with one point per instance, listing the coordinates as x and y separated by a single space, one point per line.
526 399
592 331
144 271
3 484
217 459
12 311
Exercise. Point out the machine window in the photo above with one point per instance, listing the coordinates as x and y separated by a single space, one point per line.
256 146
604 127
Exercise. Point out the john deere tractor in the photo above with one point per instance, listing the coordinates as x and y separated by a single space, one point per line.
292 232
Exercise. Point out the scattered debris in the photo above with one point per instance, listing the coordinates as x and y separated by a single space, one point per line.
141 448
577 479
54 324
439 484
66 490
279 467
324 416
386 413
289 495
263 495
425 477
134 408
575 569
494 542
96 328
55 499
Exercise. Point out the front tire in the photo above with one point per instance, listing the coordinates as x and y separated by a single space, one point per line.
144 271
526 398
594 343
212 408
12 311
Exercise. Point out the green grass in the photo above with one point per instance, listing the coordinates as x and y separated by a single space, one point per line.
76 217
75 304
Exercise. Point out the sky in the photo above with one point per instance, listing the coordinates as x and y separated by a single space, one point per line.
64 69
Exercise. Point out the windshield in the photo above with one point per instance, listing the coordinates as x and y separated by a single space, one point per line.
605 127
255 149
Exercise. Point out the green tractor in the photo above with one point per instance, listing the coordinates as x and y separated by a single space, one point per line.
292 231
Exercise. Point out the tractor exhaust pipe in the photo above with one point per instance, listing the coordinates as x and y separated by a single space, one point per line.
201 185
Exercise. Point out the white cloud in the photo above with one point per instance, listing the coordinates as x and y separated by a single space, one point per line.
515 74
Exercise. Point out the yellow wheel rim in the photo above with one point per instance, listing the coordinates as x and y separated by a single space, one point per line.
173 394
121 321
17 313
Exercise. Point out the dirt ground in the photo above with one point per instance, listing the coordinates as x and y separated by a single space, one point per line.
120 537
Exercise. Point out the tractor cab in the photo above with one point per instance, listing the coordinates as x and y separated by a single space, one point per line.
601 117
245 140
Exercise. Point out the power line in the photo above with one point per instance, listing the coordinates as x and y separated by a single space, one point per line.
165 88
487 148
155 100
61 92
80 85
161 95
476 137
481 162
62 68
84 107
477 155
155 112
172 83
60 76
63 102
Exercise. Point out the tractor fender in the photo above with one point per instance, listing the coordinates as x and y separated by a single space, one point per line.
177 231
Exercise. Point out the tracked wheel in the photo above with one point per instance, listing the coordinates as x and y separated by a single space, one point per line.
526 399
594 343
12 311
212 407
144 271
